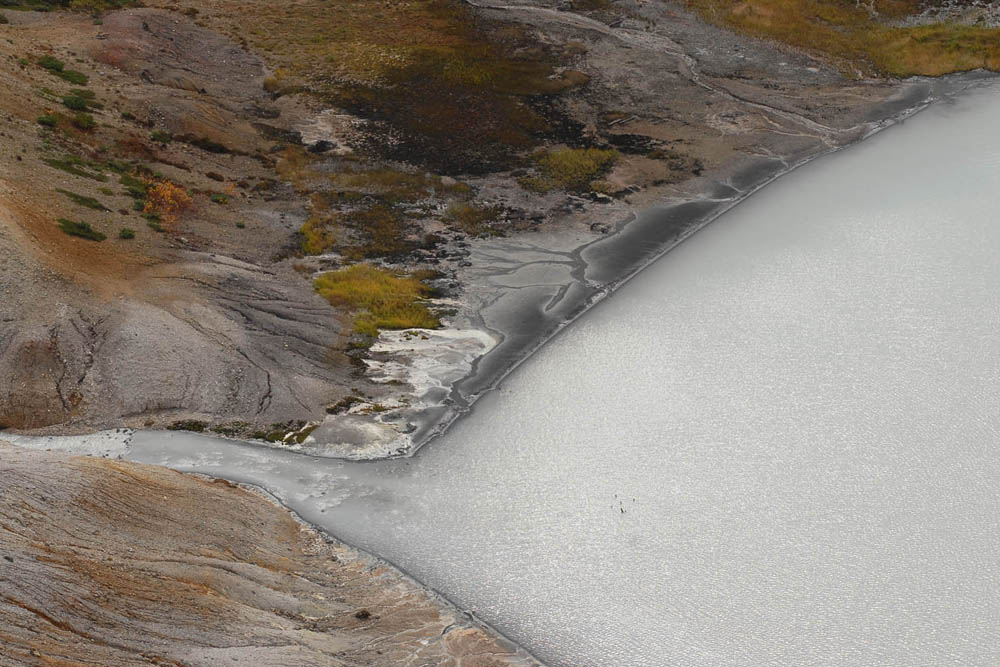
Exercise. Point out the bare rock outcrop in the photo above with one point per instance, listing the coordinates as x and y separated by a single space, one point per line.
113 563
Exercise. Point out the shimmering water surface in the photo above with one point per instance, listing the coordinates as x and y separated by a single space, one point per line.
777 446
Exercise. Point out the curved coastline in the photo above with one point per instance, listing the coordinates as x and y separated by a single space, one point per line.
603 266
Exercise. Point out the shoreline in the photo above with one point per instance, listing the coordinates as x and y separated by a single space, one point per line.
627 236
641 240
597 266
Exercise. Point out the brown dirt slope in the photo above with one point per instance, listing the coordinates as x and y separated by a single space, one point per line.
111 563
191 317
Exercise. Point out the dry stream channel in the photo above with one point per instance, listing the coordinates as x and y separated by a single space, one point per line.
779 445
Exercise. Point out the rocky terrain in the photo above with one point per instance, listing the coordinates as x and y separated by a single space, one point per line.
112 563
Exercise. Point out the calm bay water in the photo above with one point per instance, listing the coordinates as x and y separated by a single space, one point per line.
780 445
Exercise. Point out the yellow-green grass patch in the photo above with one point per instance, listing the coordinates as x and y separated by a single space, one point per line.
379 298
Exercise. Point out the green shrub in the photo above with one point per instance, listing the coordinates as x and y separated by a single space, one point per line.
380 299
3 19
126 233
77 166
84 121
48 120
81 229
72 76
220 198
135 188
51 63
82 200
74 102
162 137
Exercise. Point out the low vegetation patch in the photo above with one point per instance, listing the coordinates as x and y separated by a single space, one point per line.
78 166
474 219
166 199
81 229
156 198
51 63
295 167
83 121
382 231
188 425
231 429
570 168
860 36
74 102
58 68
379 298
126 233
83 200
318 234
394 185
459 90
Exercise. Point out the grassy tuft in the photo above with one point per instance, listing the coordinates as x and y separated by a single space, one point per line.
81 229
380 299
474 219
572 168
77 166
74 77
318 235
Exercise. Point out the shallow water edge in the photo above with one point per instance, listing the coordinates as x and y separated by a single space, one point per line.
524 321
